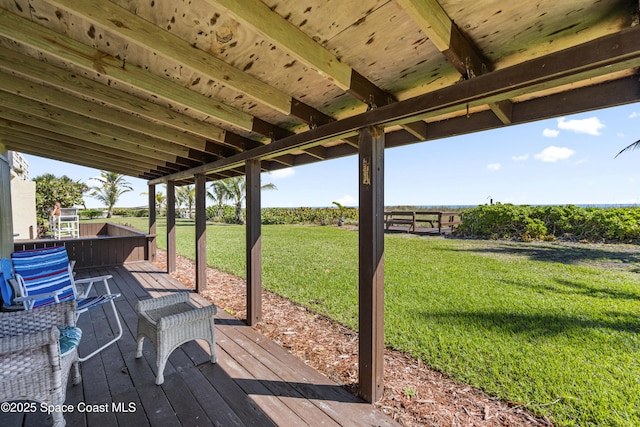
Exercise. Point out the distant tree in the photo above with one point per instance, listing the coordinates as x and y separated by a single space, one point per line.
161 201
218 193
630 147
51 189
186 196
236 192
112 186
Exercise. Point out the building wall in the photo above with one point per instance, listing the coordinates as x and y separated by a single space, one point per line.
19 165
6 222
23 202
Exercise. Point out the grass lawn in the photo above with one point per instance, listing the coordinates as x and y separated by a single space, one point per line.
554 327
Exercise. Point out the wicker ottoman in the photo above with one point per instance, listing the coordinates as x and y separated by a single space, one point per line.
171 321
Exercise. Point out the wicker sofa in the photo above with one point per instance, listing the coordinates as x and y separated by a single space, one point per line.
31 363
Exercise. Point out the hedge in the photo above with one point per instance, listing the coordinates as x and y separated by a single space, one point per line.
507 221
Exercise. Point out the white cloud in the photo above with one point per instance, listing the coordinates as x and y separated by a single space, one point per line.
346 200
520 158
620 135
550 133
494 166
590 126
282 173
553 154
634 115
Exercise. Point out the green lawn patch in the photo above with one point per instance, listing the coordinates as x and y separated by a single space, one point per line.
555 327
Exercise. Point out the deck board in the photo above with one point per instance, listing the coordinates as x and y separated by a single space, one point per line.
255 382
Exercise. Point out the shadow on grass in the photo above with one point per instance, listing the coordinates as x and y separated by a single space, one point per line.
535 325
568 287
568 254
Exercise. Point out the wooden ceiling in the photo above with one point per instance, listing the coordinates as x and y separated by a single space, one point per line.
165 89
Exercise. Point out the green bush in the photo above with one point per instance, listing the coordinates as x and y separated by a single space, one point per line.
274 216
138 213
91 213
507 221
321 216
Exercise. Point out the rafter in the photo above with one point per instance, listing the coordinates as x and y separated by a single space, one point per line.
46 74
152 86
295 42
619 51
94 111
110 132
449 39
17 130
95 63
143 33
57 152
58 127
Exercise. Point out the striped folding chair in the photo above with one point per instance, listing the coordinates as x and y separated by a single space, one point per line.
44 277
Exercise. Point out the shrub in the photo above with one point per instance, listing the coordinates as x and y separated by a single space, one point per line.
322 216
548 222
91 213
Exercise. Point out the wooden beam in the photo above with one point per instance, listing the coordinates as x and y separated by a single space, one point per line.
24 145
98 64
94 62
599 57
97 112
253 243
201 233
105 128
456 47
171 227
371 264
298 44
289 37
444 34
135 30
40 72
417 129
318 152
151 243
56 126
63 144
617 92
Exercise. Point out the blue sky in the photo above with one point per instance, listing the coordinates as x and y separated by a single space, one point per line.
556 161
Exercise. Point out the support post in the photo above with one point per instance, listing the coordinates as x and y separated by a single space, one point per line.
171 227
371 263
151 242
6 215
201 233
254 243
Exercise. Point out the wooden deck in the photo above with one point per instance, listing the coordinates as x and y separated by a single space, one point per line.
255 382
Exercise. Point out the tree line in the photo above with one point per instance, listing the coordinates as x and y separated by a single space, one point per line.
110 186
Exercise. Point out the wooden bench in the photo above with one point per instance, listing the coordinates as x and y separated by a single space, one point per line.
413 219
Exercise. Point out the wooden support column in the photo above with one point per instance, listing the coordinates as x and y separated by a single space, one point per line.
6 215
151 242
371 267
254 243
171 227
201 233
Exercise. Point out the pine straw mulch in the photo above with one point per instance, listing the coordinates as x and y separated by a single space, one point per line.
414 395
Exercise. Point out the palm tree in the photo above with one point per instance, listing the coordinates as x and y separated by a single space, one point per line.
112 186
236 191
161 201
630 147
218 193
186 195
